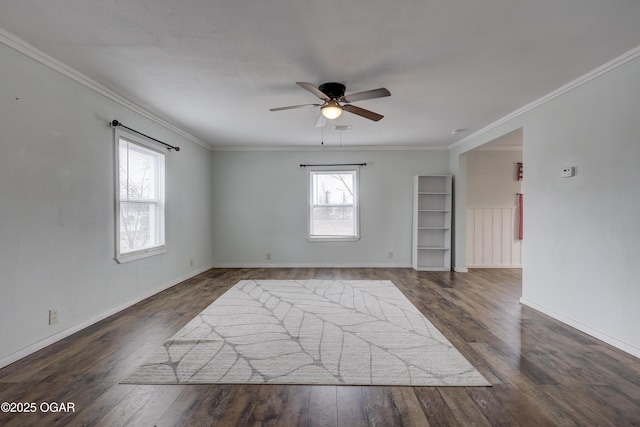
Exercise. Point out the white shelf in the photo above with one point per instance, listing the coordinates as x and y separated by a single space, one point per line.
432 223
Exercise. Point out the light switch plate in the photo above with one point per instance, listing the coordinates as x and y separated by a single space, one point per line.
568 172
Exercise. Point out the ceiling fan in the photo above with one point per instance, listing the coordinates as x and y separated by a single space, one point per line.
335 101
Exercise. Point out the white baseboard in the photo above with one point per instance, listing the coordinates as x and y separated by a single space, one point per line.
495 266
634 351
14 357
308 265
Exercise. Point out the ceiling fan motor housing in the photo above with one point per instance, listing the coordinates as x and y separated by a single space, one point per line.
332 90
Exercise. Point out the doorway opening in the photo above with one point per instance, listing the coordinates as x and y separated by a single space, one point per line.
494 192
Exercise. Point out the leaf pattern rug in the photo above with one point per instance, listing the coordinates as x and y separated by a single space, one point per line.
350 332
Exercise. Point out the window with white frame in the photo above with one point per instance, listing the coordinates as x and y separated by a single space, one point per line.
333 205
140 198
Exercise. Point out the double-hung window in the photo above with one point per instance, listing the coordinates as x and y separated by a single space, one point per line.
333 205
140 198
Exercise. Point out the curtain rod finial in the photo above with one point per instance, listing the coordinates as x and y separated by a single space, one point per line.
114 123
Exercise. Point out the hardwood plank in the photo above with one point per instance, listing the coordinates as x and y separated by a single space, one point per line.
32 393
293 409
241 401
508 370
621 406
267 405
323 406
212 406
161 398
180 410
92 413
435 409
581 407
351 410
125 411
379 407
503 405
464 409
81 397
408 406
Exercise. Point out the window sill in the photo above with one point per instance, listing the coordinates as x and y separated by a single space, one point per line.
333 238
145 253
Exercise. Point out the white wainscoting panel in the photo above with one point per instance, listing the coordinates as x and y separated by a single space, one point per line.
492 238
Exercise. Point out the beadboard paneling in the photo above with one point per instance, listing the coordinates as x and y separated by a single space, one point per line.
492 237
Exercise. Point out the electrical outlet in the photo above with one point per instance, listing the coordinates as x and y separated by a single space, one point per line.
191 262
268 256
390 254
53 316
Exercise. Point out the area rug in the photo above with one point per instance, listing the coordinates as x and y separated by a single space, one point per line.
350 332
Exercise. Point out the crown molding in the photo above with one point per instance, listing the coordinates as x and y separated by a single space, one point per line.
489 147
603 69
37 55
331 148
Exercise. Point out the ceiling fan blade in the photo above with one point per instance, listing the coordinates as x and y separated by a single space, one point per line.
314 90
291 107
362 112
367 94
322 121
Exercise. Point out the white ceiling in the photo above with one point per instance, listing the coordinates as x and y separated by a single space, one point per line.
214 68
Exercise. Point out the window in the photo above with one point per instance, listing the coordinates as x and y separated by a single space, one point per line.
139 199
333 205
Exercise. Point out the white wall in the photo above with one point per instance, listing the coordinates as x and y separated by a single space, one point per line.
581 234
57 208
260 206
491 178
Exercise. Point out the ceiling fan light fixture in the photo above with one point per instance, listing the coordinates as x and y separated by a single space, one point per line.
332 94
332 110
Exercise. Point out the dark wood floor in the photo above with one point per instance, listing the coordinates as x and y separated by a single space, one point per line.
543 372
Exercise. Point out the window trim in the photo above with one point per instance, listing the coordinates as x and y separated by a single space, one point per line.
356 203
150 145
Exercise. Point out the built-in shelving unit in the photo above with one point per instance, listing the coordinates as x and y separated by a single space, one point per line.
432 223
